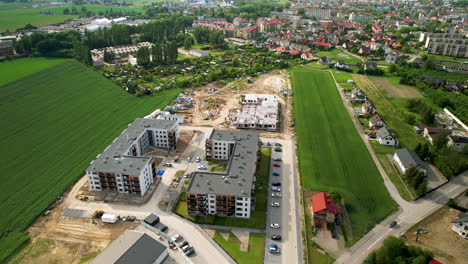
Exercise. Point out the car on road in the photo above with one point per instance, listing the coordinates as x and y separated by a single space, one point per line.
276 165
275 237
276 194
183 244
189 252
275 204
187 175
273 248
186 247
275 173
276 189
202 166
275 225
276 183
278 149
167 164
333 234
393 224
198 159
177 237
277 159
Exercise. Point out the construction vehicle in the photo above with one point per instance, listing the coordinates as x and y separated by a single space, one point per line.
98 214
81 197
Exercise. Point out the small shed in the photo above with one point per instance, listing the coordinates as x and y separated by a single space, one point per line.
109 218
152 219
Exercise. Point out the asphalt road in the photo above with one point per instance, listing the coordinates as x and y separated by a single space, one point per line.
287 215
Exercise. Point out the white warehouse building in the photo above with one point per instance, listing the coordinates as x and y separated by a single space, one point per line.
123 167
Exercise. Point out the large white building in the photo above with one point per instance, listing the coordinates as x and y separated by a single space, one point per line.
259 111
123 166
230 193
406 158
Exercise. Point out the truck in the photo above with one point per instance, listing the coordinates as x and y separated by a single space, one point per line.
109 218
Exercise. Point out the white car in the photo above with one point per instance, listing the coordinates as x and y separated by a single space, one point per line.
202 167
277 159
276 189
198 159
275 225
275 204
177 237
276 194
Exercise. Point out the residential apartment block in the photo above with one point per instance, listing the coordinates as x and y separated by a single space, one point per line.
454 45
123 166
230 193
259 111
360 18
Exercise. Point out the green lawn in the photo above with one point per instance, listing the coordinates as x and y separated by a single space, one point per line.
444 58
332 156
254 255
258 217
316 65
13 16
14 69
337 55
54 122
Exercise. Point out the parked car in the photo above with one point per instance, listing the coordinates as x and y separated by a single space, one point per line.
183 244
202 166
187 175
277 159
167 164
278 149
275 173
273 248
276 165
131 218
393 224
276 194
186 247
177 237
189 252
276 189
333 234
275 225
275 237
275 204
198 159
276 184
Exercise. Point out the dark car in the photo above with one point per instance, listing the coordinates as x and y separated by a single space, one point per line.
181 245
275 173
275 237
276 184
278 149
393 224
333 234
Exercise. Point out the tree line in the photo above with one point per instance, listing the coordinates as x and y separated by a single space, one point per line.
395 251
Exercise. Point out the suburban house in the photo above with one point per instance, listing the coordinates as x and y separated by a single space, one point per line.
324 61
370 65
307 56
123 167
341 65
358 94
460 225
458 143
6 48
376 122
324 209
231 192
133 247
430 133
385 137
199 53
368 108
405 158
391 58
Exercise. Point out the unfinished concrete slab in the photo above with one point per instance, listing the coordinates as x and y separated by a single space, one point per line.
224 235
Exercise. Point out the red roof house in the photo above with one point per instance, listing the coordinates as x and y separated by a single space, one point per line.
324 209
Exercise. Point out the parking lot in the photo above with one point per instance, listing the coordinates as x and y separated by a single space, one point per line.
287 214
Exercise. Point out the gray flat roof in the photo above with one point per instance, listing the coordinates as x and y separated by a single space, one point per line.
238 179
131 247
113 159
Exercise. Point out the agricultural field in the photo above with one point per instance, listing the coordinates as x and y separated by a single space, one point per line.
232 245
14 16
54 122
15 69
332 156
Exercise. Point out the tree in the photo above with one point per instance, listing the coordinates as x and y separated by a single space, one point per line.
143 56
441 139
109 56
394 250
429 64
132 87
188 42
66 11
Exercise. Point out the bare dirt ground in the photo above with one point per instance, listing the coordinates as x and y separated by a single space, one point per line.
223 101
392 91
447 246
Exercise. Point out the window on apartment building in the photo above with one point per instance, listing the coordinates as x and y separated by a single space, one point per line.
238 209
239 204
246 209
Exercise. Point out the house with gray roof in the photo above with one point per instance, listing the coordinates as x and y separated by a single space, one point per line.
460 225
232 192
385 137
123 167
133 247
405 158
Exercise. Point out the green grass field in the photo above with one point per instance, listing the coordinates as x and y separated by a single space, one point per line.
15 69
258 217
54 122
14 16
332 156
253 255
337 55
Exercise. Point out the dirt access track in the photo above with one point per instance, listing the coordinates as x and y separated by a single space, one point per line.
225 98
